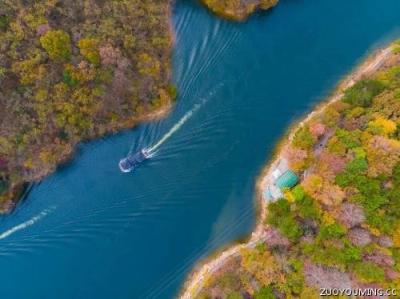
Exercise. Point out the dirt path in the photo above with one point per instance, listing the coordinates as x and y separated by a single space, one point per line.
196 280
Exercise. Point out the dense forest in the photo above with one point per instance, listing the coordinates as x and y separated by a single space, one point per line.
238 10
340 227
73 70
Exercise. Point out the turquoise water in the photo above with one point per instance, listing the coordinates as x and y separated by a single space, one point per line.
89 231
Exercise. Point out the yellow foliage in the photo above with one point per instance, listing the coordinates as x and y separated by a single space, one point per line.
309 293
45 156
18 31
327 219
5 145
374 231
57 43
383 126
89 49
261 264
396 237
34 21
41 95
28 163
288 195
148 65
29 70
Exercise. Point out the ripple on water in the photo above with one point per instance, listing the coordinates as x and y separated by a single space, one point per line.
143 231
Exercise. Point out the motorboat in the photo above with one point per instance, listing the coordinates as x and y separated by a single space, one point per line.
132 161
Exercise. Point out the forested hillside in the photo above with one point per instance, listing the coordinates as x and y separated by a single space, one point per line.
73 70
340 227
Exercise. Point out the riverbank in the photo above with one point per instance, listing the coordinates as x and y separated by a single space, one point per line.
204 272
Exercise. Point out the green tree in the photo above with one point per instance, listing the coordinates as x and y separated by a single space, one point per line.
234 295
303 138
369 272
265 293
331 231
4 21
281 216
349 139
362 93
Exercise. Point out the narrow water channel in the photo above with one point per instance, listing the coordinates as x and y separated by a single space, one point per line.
90 231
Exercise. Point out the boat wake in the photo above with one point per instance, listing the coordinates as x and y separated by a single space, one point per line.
25 224
133 160
175 128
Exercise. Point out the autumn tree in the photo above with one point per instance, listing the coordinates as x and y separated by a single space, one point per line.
57 44
359 236
327 193
351 215
325 277
261 264
383 154
89 48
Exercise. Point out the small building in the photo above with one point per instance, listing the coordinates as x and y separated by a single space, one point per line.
287 180
282 180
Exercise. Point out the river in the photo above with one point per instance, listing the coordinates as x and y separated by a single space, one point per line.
90 231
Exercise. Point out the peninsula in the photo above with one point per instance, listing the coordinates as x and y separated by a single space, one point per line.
330 200
75 70
238 10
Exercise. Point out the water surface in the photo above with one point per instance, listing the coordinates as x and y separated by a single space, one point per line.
89 231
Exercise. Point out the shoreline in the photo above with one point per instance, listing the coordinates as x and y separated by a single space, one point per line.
206 268
18 191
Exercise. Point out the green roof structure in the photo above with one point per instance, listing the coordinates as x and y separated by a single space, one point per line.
287 180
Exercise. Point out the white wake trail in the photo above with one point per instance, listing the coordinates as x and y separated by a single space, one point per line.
176 127
25 224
